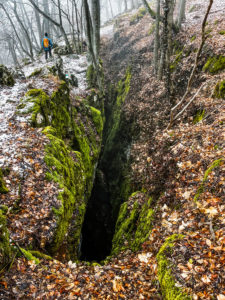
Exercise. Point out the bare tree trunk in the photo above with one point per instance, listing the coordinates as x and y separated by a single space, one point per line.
12 51
93 36
156 42
82 26
125 5
111 10
78 27
14 28
164 45
149 10
46 21
181 16
89 32
26 20
38 21
96 27
25 31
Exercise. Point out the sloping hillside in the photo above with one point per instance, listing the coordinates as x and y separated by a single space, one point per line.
166 186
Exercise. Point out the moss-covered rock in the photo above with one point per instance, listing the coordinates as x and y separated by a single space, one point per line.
67 169
122 90
117 139
167 283
74 135
133 225
215 64
91 77
5 248
199 116
219 91
6 78
35 73
3 188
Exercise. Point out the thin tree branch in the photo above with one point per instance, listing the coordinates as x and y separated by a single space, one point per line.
203 39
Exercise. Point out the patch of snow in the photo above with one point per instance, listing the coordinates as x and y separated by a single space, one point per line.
107 31
10 130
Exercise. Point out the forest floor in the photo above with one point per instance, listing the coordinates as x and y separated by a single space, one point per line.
170 163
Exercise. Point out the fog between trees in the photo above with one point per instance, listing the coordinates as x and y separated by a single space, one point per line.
24 22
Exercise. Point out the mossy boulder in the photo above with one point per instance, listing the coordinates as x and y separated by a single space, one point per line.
167 282
133 225
121 93
6 77
36 72
74 133
61 50
5 248
215 64
67 169
3 188
219 91
199 116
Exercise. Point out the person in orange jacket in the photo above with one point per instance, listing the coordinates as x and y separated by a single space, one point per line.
47 46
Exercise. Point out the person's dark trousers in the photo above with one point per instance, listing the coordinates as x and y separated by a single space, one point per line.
46 53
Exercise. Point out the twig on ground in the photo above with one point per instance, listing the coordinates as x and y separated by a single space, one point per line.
189 103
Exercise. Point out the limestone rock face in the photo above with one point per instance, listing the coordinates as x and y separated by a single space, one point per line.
6 77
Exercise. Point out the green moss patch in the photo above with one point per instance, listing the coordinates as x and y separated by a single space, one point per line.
67 169
40 255
29 256
133 226
222 32
199 116
177 59
193 38
215 64
214 165
35 73
5 248
167 283
3 188
152 29
91 77
219 91
138 16
122 91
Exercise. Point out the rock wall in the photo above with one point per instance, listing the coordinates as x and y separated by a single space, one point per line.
74 132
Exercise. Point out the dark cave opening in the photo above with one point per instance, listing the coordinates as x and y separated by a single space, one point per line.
98 226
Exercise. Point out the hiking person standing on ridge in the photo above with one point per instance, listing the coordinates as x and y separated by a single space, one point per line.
47 46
